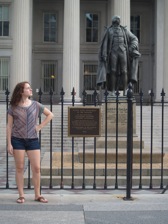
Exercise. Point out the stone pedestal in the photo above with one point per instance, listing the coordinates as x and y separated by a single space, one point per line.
113 113
113 143
112 123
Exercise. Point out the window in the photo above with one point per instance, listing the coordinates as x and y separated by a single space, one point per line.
92 20
4 73
90 74
48 75
135 26
50 27
4 21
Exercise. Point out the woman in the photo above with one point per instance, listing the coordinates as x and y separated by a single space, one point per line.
22 135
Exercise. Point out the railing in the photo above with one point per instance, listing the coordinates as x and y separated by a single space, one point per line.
109 171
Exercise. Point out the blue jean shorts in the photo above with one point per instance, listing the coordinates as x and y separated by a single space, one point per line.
25 144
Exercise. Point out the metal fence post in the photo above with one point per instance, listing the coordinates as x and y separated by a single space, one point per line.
73 93
7 160
140 170
129 141
162 142
62 136
151 146
117 118
40 93
95 95
51 104
84 93
106 93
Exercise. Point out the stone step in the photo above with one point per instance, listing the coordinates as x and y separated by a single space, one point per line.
99 172
99 167
111 156
45 171
100 180
121 156
122 142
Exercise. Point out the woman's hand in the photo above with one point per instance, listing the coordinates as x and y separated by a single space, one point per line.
38 128
10 149
49 115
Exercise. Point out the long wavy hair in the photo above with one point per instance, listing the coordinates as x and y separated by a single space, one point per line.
17 93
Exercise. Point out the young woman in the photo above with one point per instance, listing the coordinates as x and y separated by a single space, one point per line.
22 136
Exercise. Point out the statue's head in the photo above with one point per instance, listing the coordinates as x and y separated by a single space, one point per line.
116 20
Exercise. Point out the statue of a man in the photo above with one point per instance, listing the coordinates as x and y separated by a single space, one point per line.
118 57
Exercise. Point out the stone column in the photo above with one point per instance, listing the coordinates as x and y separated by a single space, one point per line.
71 49
22 42
121 8
160 38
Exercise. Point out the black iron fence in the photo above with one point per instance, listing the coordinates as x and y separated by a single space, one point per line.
110 167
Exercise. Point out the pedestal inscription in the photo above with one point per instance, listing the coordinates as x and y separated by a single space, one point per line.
121 112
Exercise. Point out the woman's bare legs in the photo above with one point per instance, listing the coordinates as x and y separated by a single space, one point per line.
19 156
34 157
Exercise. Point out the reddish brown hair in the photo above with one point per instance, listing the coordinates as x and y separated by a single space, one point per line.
17 93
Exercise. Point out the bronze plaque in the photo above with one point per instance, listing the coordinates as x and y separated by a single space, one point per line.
83 121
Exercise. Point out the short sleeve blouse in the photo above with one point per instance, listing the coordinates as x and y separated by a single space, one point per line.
25 120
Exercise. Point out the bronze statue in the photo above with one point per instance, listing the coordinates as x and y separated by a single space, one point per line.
118 57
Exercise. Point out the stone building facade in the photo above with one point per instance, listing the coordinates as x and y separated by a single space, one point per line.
55 43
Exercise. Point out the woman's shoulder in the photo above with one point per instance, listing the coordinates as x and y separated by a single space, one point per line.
37 104
34 102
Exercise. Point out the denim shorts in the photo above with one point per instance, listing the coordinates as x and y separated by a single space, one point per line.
25 144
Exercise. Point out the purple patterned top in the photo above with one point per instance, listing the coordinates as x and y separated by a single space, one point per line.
25 120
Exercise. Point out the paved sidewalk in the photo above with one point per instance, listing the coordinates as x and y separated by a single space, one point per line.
85 207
